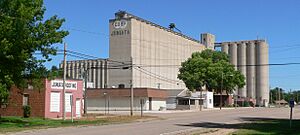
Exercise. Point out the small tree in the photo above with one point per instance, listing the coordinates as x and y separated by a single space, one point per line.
211 69
26 111
24 32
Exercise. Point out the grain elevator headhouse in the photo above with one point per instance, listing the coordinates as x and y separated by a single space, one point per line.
148 47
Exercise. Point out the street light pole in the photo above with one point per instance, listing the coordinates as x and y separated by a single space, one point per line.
104 102
131 98
108 104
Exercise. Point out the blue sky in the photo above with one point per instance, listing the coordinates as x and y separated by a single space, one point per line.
277 21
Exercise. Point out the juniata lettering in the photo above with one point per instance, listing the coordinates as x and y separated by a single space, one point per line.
68 85
119 32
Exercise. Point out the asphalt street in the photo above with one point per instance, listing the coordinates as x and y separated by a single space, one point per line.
173 122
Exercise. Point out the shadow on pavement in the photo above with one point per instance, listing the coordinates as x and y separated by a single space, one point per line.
254 125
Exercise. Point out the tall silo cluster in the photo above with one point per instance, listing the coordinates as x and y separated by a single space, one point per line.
251 58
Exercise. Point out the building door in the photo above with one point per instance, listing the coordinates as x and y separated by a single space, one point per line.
150 103
78 108
68 102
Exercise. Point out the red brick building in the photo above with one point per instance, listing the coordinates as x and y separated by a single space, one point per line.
47 101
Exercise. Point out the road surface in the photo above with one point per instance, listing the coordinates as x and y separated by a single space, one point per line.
173 122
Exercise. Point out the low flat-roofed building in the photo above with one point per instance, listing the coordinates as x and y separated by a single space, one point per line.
118 99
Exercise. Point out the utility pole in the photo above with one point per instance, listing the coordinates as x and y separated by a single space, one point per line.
64 81
131 89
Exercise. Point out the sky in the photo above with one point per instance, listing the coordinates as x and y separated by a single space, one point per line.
277 21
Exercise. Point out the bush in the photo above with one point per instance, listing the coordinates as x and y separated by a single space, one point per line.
26 111
246 104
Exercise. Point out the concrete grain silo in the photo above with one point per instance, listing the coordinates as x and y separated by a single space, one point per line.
251 89
242 66
251 58
262 73
233 54
225 47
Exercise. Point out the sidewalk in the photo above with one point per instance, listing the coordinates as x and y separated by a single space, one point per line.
162 112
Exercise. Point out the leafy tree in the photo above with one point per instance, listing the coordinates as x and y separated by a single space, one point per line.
54 72
210 68
24 32
276 94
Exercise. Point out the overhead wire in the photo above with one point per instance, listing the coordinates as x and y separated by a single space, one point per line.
165 80
177 81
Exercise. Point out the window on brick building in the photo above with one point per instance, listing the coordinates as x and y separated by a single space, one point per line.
25 99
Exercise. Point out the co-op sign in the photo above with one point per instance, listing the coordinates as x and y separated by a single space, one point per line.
120 24
59 85
120 30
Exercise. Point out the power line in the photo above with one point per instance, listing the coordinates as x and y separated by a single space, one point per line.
165 80
159 75
89 32
76 56
272 64
94 57
86 55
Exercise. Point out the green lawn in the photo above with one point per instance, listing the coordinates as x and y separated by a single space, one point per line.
269 127
14 124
